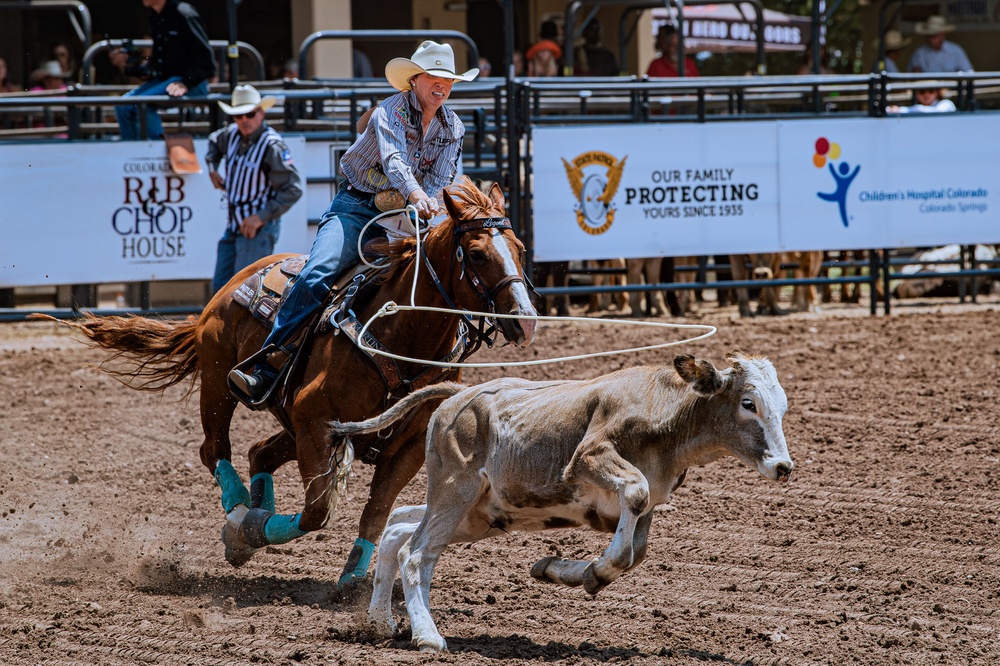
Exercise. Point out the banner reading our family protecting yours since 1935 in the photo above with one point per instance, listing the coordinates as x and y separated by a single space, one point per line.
718 188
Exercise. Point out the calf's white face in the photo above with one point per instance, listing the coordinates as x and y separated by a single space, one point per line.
763 402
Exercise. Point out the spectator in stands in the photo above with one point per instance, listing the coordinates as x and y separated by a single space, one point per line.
928 100
894 43
591 58
485 67
261 182
181 64
665 65
807 61
518 58
408 152
5 85
62 55
49 76
938 54
543 56
290 69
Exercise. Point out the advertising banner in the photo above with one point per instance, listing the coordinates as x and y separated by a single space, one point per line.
718 188
912 181
79 213
654 190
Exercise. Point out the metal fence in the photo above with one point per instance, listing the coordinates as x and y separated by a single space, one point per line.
329 109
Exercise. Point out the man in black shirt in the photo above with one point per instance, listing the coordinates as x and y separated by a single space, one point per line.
180 64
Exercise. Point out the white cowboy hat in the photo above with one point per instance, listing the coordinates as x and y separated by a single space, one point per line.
430 58
246 99
934 25
51 68
894 40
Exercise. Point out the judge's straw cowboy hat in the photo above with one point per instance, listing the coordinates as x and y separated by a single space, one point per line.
934 25
430 58
246 99
894 40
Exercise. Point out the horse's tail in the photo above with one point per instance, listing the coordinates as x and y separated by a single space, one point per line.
160 353
397 411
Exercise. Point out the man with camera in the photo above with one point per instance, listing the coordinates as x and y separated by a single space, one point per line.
181 63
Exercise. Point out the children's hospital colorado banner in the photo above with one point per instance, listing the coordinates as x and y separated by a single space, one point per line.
718 188
85 212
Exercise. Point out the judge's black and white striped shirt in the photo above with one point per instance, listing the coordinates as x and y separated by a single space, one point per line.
260 176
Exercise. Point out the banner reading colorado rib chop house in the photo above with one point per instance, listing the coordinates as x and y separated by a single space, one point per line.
719 188
84 212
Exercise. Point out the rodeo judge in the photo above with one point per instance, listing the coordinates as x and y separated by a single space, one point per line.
261 183
408 152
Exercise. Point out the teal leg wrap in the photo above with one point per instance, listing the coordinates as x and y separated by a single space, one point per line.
262 492
282 529
233 490
357 561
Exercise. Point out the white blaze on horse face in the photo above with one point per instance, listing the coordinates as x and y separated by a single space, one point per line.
524 306
770 404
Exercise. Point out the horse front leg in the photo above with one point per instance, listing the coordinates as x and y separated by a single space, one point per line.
392 473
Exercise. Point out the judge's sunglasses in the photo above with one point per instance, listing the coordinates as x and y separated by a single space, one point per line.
250 114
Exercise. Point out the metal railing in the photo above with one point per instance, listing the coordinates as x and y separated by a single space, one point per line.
328 110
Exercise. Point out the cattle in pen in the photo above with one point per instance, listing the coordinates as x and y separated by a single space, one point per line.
513 454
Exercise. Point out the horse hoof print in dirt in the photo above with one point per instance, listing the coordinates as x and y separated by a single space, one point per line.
512 454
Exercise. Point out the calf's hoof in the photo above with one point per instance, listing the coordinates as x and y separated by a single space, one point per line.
591 583
538 571
430 644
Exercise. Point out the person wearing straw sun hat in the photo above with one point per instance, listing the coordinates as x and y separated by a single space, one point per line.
938 54
893 44
261 182
407 152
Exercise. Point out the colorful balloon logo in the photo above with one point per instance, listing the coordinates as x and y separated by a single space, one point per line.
824 151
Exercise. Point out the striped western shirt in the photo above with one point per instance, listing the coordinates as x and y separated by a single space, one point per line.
260 177
394 153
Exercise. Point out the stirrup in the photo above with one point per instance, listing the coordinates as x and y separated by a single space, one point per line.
247 366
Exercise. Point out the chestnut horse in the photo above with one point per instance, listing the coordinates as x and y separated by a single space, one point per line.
466 259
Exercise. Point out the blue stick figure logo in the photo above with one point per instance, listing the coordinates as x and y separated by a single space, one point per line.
825 155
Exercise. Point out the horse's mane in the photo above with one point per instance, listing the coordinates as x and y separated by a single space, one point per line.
471 203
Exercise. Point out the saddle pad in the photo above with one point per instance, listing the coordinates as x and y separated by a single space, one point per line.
262 292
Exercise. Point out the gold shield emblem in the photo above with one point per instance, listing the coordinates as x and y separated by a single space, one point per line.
595 190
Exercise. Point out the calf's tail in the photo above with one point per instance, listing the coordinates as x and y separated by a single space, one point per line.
397 411
158 353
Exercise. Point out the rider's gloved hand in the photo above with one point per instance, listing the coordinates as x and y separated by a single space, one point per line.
427 207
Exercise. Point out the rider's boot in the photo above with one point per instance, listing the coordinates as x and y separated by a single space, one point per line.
256 384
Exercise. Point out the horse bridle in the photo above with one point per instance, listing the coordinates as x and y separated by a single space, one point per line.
487 296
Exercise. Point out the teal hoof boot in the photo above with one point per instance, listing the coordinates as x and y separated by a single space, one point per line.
356 569
238 552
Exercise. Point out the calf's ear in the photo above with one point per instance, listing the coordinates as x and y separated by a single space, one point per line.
699 373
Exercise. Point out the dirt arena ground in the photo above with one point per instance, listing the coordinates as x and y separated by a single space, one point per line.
883 549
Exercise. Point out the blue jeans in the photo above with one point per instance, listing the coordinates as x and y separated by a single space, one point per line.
235 251
128 115
334 251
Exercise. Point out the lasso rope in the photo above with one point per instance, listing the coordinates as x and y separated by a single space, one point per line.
391 308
